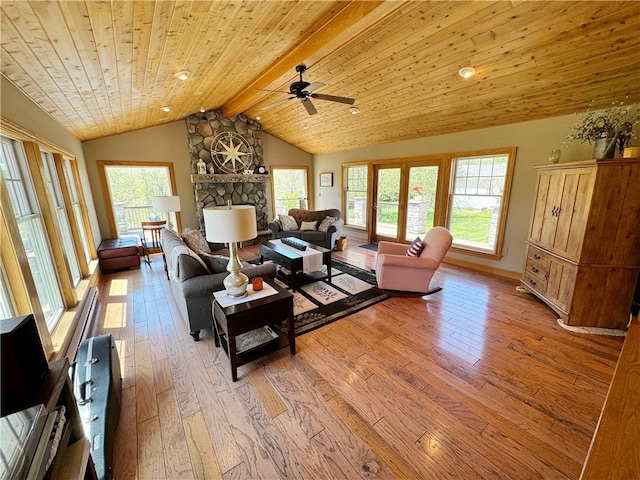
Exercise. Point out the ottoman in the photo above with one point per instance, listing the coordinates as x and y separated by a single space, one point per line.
118 253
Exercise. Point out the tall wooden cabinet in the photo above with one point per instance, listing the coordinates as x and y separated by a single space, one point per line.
583 250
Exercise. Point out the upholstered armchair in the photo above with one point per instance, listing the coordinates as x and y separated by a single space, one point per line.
397 271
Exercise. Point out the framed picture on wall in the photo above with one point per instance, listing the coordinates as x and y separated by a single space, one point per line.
326 179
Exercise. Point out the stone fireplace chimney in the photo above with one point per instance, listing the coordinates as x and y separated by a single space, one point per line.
217 187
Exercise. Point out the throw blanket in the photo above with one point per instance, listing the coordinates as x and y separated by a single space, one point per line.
311 259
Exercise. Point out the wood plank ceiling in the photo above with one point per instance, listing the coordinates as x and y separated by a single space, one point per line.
102 68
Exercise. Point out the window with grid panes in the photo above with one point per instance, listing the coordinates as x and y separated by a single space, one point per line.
355 182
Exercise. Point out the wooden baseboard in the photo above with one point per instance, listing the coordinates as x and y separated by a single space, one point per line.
483 268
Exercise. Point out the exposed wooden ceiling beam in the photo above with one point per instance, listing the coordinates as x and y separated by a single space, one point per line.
352 20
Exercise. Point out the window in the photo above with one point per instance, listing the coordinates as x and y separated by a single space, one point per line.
7 307
289 188
466 192
32 232
356 194
130 187
479 197
51 176
70 176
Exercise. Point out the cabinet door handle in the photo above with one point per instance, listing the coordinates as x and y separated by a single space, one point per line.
537 257
534 270
546 276
532 282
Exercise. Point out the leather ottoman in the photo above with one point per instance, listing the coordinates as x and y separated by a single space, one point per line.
118 253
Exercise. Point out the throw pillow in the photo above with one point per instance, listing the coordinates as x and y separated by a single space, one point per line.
308 226
216 263
195 241
288 222
326 223
415 249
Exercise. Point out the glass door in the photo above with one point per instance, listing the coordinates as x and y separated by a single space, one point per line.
387 211
421 200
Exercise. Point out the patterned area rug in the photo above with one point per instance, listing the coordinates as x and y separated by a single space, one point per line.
320 303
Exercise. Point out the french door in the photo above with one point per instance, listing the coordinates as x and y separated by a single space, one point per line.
404 200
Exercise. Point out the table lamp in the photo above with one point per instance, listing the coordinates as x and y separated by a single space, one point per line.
231 224
166 204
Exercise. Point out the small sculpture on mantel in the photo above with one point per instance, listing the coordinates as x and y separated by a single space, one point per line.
212 170
202 167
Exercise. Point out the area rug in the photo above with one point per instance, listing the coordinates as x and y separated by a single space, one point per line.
370 246
320 303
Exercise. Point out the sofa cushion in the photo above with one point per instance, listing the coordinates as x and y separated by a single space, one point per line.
216 263
308 226
195 241
326 223
288 223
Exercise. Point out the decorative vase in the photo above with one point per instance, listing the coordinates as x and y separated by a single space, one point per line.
604 147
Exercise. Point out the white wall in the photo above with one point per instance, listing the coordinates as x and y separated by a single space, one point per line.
534 141
15 106
168 143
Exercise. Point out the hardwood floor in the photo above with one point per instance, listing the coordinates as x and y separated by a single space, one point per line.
478 381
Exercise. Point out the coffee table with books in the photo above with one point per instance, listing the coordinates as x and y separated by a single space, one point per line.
291 260
247 328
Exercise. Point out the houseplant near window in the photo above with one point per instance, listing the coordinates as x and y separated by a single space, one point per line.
607 129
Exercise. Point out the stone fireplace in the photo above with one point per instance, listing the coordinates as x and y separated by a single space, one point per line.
217 188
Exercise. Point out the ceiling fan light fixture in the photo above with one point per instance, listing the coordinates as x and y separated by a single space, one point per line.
182 74
354 110
166 108
467 72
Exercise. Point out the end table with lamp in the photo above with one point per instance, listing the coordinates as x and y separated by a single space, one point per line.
235 317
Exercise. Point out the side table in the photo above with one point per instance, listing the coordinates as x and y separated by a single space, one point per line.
243 317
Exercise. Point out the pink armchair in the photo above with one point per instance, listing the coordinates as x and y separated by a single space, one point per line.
396 271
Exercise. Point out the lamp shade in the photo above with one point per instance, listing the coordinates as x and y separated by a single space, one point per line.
166 203
236 223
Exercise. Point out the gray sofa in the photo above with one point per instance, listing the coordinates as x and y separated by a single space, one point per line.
324 239
193 279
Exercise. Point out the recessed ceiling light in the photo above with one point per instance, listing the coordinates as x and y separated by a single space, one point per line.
305 126
467 72
182 74
166 108
354 110
258 117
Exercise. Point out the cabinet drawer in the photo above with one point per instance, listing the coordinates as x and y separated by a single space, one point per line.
538 257
534 282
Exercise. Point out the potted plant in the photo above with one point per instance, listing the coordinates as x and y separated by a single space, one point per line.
607 129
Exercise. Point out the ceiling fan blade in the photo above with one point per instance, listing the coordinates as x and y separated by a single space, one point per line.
313 86
333 98
311 110
275 104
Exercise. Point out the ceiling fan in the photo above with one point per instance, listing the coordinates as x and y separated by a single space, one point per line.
305 92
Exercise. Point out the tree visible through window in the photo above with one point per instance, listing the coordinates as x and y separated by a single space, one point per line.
289 188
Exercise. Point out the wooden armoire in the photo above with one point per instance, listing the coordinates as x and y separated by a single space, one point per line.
583 250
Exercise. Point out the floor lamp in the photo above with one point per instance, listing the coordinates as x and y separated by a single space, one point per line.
231 224
166 204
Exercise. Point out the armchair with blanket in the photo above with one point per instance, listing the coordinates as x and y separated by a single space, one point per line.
396 270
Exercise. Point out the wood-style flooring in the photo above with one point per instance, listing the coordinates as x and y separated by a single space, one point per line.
478 381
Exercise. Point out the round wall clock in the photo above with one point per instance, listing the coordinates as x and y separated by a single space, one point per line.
231 152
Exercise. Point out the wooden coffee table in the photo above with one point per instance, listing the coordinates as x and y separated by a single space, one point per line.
292 261
244 317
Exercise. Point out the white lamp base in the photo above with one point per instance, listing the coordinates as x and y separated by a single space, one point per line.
236 282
